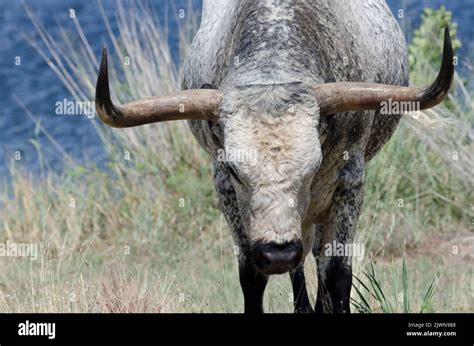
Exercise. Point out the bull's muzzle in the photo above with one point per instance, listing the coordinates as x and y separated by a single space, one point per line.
273 258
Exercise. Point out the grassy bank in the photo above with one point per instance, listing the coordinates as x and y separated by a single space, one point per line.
146 235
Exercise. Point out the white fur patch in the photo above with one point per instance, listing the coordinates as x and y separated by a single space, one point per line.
282 131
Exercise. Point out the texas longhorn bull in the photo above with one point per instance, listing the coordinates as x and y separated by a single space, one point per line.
300 84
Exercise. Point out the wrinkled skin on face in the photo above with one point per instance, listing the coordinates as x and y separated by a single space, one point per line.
273 152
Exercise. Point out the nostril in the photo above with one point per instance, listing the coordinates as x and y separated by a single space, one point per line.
294 255
272 258
262 258
275 258
279 256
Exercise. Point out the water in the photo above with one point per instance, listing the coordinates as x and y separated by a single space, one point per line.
38 88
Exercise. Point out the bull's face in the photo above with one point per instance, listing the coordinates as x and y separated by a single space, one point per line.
272 152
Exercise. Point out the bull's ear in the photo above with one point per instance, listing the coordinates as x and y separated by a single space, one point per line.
345 96
197 104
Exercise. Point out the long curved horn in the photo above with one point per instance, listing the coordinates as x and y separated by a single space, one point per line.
346 96
199 104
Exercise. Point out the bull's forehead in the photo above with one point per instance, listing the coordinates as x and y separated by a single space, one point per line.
274 129
276 141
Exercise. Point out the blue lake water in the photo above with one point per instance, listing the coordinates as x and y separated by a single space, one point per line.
38 88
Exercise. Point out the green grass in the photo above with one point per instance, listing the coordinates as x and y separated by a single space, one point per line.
397 299
147 235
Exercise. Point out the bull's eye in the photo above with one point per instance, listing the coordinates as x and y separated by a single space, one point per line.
234 174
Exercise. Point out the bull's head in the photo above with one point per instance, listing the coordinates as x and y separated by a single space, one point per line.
273 130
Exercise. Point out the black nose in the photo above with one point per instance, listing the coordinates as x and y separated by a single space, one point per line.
273 258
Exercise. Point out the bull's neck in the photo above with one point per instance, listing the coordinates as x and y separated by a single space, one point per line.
275 42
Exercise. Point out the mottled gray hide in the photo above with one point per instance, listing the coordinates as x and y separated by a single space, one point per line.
307 180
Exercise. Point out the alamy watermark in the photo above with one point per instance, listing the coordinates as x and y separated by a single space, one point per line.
28 328
11 249
336 249
236 155
399 107
69 107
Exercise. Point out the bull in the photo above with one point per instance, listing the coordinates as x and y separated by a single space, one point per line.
300 88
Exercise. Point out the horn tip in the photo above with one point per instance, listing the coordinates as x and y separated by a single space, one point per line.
102 86
448 55
437 92
104 106
448 45
103 62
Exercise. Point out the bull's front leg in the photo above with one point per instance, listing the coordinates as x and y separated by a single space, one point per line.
300 295
252 281
253 284
336 230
